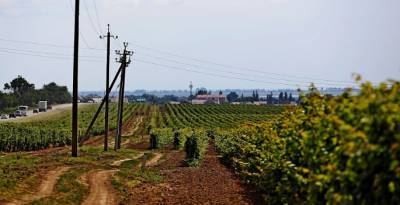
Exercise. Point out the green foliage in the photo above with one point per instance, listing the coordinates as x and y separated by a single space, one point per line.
54 132
213 116
181 136
331 150
161 137
196 147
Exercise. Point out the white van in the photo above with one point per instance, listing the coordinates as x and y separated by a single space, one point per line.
23 110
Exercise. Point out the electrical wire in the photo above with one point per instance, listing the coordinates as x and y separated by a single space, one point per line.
90 19
232 72
217 75
48 53
80 33
235 67
48 56
62 55
99 23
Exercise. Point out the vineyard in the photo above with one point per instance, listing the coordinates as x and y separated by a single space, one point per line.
328 150
212 116
331 150
55 131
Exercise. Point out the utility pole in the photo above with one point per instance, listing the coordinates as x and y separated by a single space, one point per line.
125 60
75 85
107 96
191 94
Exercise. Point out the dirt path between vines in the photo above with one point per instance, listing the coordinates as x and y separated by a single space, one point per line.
211 183
154 160
101 191
45 189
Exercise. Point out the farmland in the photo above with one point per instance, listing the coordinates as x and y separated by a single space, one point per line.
324 151
52 131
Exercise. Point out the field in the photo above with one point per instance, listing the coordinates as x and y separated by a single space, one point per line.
327 150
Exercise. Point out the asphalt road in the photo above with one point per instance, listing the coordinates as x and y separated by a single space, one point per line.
30 115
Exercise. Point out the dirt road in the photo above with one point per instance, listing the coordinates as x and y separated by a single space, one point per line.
45 189
101 191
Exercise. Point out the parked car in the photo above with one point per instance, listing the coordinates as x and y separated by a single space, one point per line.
3 117
12 115
17 113
35 111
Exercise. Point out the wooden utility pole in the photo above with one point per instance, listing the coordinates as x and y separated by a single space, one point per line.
75 84
125 61
107 96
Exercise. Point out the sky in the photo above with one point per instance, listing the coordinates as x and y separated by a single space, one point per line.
216 44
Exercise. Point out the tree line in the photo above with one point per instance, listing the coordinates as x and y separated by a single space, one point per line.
20 92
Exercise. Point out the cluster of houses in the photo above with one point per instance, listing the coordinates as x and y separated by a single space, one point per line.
207 98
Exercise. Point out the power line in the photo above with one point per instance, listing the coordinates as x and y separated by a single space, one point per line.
90 58
97 16
44 44
216 75
90 19
48 53
80 33
235 67
47 56
232 72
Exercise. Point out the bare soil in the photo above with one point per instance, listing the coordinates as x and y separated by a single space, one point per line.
101 190
211 183
45 189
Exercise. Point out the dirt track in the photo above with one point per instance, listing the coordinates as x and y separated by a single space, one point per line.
101 191
45 189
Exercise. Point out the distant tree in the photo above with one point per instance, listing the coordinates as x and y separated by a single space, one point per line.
280 97
257 96
232 96
220 92
19 86
201 91
55 94
290 97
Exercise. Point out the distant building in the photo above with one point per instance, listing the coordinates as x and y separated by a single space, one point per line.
115 100
174 102
260 102
210 99
97 100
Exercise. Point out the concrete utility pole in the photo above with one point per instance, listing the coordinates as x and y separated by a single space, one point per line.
125 60
74 148
107 96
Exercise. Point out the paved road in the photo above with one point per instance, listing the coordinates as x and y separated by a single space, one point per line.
56 109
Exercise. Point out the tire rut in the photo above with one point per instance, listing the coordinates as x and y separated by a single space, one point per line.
46 187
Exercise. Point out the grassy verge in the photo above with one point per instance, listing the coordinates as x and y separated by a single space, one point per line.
68 190
131 175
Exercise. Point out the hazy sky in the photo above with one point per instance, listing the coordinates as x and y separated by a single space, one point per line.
252 43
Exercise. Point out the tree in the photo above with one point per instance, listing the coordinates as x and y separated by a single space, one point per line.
19 86
280 97
232 96
290 97
257 96
201 91
220 92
